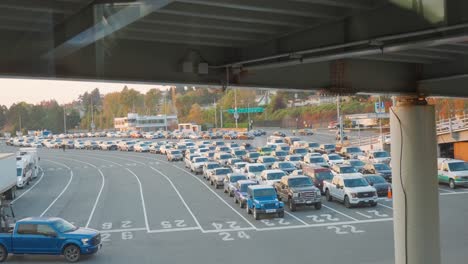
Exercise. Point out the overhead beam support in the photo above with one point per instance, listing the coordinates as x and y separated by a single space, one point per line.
355 4
192 10
282 8
105 26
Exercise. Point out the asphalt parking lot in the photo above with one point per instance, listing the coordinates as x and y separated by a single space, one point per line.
153 211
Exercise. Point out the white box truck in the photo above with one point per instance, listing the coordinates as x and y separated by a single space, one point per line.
8 175
34 158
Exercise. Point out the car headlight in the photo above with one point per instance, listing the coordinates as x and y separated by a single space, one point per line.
318 192
85 241
276 204
353 195
455 177
295 195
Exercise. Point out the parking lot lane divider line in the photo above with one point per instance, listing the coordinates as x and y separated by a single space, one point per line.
100 191
32 187
386 206
452 193
94 157
217 195
64 189
325 224
180 197
230 230
366 216
142 199
175 229
336 211
295 217
123 230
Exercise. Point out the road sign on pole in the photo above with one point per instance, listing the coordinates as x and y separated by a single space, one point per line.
246 110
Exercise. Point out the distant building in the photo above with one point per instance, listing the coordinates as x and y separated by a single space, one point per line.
144 123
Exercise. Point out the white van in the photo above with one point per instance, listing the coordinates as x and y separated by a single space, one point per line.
34 159
23 171
452 172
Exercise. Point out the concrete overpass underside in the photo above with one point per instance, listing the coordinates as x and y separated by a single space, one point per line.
400 47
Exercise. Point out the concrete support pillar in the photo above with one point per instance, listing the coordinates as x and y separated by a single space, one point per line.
415 187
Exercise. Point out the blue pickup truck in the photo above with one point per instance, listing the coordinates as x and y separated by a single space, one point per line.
262 199
49 236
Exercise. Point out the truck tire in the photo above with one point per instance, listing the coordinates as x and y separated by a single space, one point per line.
255 214
211 183
231 194
346 202
373 204
328 195
452 184
72 253
318 206
248 209
236 201
281 214
11 194
242 205
292 206
3 254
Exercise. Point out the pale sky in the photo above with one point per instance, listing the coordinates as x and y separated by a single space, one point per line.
36 90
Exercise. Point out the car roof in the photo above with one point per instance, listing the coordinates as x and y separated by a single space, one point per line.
247 182
273 171
39 219
260 187
348 176
237 174
454 160
296 177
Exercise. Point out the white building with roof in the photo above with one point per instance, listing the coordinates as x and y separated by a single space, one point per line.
134 121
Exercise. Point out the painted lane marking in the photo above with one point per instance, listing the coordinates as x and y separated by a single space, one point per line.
366 216
444 190
28 190
100 191
464 192
122 230
325 224
217 195
295 217
64 189
142 199
174 230
180 197
336 211
386 206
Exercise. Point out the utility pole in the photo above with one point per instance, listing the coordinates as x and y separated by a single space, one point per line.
165 110
236 115
215 110
221 117
248 115
339 119
21 129
64 120
380 123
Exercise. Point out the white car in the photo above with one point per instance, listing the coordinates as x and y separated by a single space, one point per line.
79 145
142 147
377 156
270 177
315 160
254 170
351 190
347 170
267 160
296 159
333 159
452 172
196 166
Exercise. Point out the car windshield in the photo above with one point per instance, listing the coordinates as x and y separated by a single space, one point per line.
375 179
257 168
324 175
286 165
348 170
198 160
317 160
266 149
225 156
239 152
294 158
301 150
300 182
244 187
175 152
281 153
313 145
353 150
285 148
19 172
275 175
240 165
236 178
213 166
334 157
254 155
269 159
265 192
357 182
64 227
357 163
329 146
381 154
223 171
380 166
458 166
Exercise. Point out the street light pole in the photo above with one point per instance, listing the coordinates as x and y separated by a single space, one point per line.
236 115
380 124
339 119
64 121
165 109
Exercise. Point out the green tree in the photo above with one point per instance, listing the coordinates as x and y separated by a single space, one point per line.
152 101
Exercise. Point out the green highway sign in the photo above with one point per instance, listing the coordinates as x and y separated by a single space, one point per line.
246 110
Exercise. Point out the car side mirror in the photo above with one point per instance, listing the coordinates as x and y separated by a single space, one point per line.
446 169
